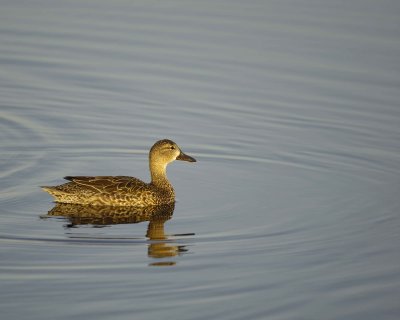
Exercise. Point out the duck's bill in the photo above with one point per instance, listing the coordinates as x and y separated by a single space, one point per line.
185 157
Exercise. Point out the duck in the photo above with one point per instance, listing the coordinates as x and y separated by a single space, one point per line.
124 190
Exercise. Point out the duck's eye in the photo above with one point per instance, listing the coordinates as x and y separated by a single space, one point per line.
172 147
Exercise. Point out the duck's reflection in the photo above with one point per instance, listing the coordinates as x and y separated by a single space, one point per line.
98 216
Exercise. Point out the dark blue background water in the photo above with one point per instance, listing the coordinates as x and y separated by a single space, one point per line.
292 111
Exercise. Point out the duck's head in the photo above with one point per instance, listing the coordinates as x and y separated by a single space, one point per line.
166 151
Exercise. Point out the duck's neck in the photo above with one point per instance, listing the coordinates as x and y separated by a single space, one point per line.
159 175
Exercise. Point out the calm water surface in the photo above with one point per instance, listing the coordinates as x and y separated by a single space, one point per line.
291 109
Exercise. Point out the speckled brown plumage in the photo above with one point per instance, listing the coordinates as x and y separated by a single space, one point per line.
123 190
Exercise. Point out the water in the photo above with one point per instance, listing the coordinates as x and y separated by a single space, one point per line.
291 109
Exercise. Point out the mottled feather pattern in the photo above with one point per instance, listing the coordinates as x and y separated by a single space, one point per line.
107 190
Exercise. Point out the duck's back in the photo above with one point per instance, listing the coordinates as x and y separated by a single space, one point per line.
109 190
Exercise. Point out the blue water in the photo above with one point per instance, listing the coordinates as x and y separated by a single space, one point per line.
291 109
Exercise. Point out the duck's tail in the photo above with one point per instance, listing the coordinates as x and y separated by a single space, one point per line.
59 195
48 189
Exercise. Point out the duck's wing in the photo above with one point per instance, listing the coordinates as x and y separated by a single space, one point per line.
108 183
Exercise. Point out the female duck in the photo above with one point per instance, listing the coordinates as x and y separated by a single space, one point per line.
123 190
